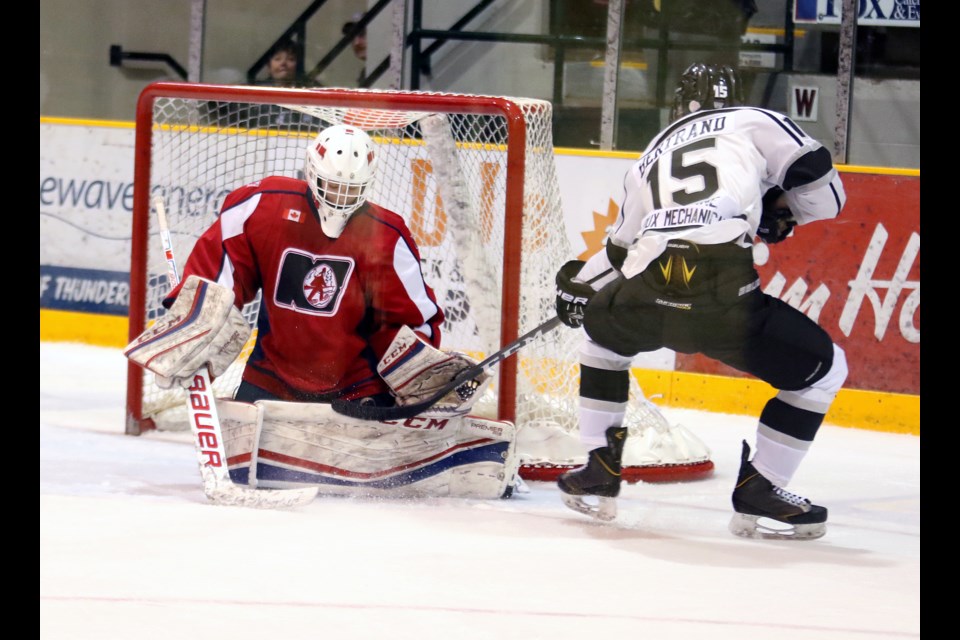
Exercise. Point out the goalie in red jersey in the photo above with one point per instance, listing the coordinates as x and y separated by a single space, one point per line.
345 311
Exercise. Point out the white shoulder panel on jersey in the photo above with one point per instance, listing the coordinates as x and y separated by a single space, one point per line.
822 200
233 219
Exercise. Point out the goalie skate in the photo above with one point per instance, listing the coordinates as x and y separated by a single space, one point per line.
764 510
592 490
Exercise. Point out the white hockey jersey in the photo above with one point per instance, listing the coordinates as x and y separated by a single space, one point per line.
703 179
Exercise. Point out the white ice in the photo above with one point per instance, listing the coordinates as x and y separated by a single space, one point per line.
131 550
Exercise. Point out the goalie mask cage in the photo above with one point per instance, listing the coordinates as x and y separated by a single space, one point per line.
475 180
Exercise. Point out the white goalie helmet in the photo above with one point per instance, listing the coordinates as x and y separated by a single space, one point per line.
340 167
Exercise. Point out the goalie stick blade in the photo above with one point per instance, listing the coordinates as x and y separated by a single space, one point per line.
379 414
223 492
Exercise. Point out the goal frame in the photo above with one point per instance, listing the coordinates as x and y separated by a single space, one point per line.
136 423
492 174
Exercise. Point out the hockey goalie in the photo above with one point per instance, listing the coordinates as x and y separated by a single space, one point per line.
345 314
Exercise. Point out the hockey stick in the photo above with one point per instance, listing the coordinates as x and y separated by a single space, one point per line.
205 425
369 412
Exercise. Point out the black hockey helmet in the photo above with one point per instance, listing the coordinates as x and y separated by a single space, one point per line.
704 86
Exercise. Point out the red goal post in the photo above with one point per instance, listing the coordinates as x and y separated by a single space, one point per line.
474 178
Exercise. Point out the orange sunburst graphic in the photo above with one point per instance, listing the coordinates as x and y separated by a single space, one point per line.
594 238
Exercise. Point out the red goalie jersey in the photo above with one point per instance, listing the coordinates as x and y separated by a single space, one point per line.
330 307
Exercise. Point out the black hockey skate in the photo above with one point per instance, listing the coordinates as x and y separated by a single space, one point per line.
764 510
600 477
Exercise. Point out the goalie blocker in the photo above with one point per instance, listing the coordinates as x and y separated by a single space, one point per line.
281 445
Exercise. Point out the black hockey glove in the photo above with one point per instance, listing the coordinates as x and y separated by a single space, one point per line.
776 223
572 297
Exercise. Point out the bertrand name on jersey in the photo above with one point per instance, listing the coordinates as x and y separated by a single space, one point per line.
680 136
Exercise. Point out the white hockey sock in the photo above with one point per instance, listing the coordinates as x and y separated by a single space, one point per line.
594 423
777 460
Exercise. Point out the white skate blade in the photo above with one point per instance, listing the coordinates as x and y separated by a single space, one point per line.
605 509
759 527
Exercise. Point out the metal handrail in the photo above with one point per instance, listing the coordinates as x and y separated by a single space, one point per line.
421 58
118 55
347 38
296 32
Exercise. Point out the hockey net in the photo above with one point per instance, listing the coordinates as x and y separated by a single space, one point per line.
474 178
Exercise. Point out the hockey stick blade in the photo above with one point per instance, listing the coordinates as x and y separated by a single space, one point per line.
224 492
370 412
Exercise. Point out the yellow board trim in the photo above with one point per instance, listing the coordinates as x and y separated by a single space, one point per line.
87 122
633 155
559 151
72 326
873 410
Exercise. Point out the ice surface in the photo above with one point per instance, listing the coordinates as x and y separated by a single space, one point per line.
130 549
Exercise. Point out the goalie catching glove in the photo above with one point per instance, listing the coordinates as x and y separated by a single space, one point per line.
776 220
415 371
572 296
202 328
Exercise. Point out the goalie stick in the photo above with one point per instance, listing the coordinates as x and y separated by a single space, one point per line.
205 425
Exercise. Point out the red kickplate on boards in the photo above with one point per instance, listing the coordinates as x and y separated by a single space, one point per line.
632 475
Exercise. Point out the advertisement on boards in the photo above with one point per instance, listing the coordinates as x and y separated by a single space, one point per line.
871 13
858 276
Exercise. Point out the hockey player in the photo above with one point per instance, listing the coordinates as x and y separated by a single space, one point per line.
677 272
345 311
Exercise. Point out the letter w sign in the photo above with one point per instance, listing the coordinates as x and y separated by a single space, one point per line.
804 103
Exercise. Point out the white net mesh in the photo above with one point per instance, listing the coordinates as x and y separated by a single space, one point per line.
453 176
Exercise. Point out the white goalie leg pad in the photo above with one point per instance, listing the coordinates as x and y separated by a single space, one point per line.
202 327
415 371
293 444
240 428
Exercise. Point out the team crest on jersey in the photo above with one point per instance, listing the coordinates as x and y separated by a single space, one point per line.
320 285
312 284
677 264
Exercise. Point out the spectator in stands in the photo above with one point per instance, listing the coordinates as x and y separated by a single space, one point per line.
285 70
284 66
359 45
